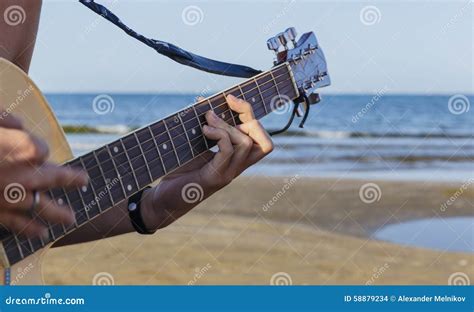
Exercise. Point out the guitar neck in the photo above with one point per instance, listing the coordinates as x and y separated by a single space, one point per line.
123 167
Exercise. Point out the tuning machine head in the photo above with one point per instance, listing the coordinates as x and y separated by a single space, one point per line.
282 39
306 59
273 44
290 35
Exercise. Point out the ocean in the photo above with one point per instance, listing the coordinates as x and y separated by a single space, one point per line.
399 137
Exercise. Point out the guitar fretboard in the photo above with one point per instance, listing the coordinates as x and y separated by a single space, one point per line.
123 167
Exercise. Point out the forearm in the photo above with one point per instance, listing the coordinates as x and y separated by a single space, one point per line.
111 223
18 39
160 206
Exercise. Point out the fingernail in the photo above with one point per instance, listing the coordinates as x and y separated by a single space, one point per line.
230 96
213 115
208 128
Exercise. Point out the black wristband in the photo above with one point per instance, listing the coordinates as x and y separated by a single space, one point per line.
134 205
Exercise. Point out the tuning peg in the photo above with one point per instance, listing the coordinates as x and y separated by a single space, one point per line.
282 38
291 34
273 44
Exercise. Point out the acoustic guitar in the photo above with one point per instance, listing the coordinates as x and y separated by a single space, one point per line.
125 166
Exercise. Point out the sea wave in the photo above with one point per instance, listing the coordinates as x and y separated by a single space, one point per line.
323 134
329 134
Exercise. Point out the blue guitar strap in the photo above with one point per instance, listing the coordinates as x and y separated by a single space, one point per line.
175 53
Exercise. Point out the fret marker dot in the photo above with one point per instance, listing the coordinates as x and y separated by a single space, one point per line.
129 187
61 201
165 146
223 115
84 189
253 100
116 149
193 131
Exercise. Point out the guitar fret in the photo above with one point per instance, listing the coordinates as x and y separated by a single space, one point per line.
115 177
158 150
129 188
82 210
286 90
54 226
146 163
200 124
231 113
221 108
12 249
17 243
30 245
261 96
151 154
24 248
106 187
180 138
186 134
70 207
171 140
162 138
77 202
89 199
276 85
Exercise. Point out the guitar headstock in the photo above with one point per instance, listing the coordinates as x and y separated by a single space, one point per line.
306 59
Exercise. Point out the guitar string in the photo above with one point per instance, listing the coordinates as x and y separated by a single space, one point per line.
162 156
143 155
167 133
199 136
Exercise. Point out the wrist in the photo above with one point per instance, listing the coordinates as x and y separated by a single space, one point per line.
148 210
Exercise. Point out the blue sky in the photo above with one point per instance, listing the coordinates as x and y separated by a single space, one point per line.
421 47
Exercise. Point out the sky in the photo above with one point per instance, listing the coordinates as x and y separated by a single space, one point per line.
417 47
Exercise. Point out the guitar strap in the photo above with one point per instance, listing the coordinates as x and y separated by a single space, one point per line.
173 52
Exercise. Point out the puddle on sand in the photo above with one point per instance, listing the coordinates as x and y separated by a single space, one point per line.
446 234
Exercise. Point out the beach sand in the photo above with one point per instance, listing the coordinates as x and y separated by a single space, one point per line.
314 232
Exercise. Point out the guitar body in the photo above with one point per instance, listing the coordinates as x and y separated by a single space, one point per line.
21 97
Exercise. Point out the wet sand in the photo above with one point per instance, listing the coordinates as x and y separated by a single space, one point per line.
300 231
